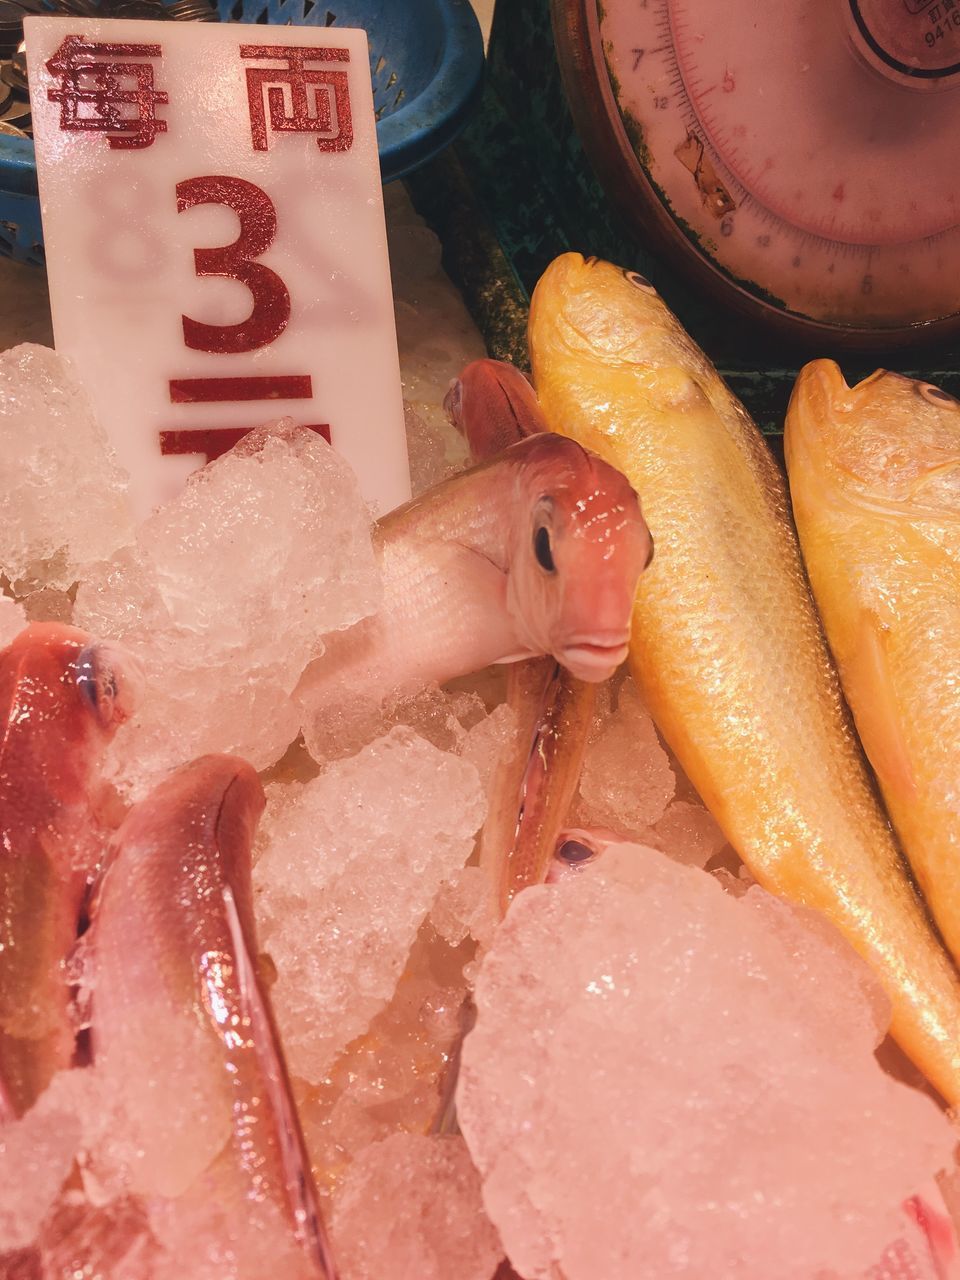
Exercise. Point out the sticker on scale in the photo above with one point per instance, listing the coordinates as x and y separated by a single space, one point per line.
215 240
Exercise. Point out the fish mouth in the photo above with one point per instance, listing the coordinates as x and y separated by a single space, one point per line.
593 658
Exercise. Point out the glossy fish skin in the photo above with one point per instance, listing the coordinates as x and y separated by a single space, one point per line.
172 947
493 405
726 646
62 697
875 483
535 551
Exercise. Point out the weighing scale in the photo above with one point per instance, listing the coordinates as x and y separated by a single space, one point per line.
786 174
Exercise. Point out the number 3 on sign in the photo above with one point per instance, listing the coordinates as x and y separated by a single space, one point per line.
237 261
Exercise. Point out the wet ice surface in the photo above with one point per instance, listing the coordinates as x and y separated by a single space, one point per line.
630 784
225 595
641 1099
389 1079
410 1209
36 1154
352 862
64 493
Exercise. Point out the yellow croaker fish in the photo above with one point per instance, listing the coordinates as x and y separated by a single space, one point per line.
875 482
726 646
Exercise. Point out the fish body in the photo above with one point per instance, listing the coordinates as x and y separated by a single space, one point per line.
726 646
534 551
875 484
62 697
180 1022
494 406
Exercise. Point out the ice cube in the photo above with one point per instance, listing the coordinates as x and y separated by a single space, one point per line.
394 1077
64 492
274 529
433 455
352 718
352 862
663 1081
627 781
204 1239
12 620
80 1241
460 907
36 1155
688 832
410 1209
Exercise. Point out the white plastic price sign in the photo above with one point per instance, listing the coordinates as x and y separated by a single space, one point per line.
216 250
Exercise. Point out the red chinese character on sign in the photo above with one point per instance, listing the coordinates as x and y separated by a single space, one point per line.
299 99
99 94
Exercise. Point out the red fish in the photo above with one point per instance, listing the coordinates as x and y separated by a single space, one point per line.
493 405
182 1027
535 551
62 697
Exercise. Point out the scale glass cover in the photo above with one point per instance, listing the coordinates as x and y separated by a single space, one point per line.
796 161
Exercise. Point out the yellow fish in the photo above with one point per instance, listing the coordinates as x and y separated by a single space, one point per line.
875 481
726 645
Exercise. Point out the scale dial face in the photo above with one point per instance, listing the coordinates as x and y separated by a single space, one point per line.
800 159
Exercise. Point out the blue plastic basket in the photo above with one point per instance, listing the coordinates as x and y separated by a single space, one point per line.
426 59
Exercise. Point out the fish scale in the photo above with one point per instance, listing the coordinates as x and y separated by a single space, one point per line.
872 472
726 646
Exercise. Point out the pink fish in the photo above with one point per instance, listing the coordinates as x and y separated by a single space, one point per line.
536 551
182 1027
62 697
493 405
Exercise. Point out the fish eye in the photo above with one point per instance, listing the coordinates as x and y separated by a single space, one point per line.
453 402
575 851
107 682
641 282
542 549
935 395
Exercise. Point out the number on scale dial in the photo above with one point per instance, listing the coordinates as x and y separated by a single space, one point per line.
795 158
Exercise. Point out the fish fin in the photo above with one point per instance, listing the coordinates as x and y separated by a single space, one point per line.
300 1188
878 712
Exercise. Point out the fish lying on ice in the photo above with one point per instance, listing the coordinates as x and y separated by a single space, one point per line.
875 484
180 1023
62 697
726 646
535 551
494 406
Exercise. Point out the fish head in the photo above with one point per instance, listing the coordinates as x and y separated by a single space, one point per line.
493 405
578 546
585 308
61 684
889 441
